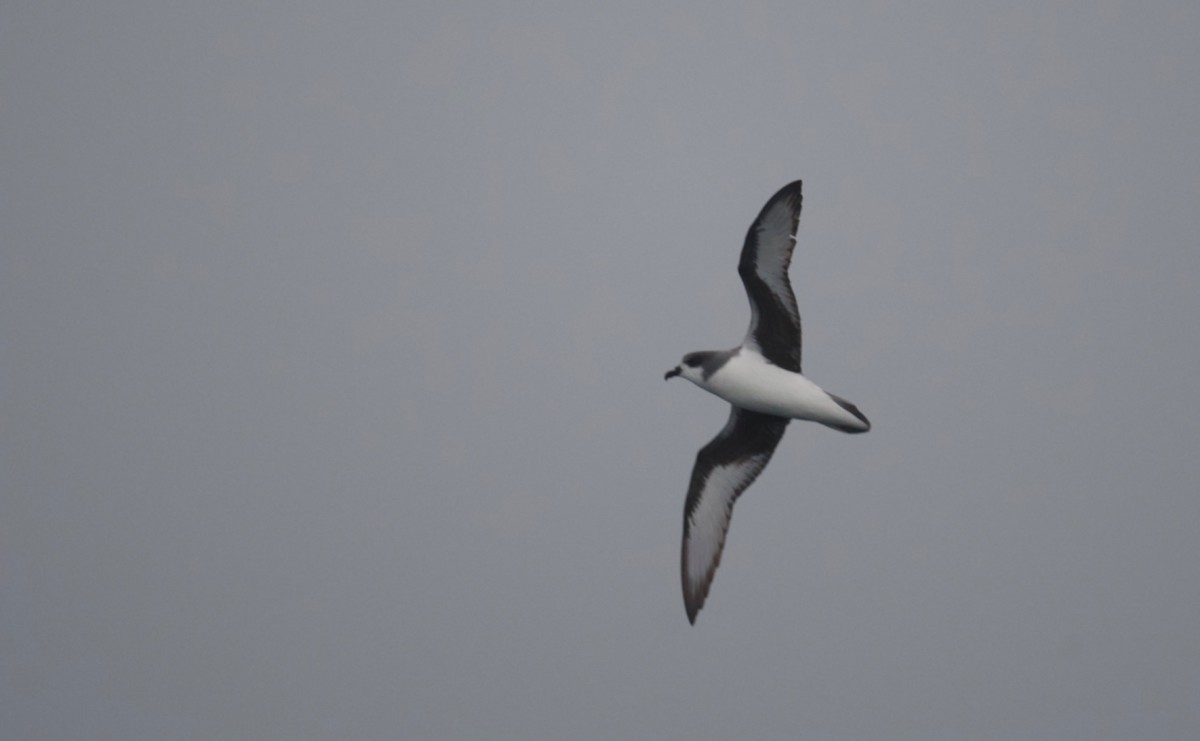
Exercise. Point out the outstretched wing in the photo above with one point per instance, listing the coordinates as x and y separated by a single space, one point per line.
724 468
774 319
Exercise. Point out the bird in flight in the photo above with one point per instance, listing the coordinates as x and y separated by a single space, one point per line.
761 379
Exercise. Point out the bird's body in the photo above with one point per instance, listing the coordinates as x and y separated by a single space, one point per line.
748 381
761 380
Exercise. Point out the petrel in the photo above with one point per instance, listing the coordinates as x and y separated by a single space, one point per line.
761 380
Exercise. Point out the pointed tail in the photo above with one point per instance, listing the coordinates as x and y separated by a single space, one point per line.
862 425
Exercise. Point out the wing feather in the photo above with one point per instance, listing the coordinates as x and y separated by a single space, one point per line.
724 468
774 318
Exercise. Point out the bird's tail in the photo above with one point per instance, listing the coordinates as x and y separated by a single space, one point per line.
860 422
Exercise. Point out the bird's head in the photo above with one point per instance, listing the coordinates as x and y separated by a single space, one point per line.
691 367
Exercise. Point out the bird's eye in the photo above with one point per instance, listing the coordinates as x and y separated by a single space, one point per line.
692 361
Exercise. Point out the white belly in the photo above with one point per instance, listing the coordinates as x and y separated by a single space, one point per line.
748 381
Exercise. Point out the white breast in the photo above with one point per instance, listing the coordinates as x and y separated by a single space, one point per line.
748 381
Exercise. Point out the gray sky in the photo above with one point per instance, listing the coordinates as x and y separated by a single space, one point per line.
333 341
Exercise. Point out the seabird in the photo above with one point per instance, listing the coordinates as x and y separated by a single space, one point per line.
761 380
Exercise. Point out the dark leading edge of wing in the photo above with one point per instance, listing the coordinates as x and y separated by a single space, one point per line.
774 320
728 464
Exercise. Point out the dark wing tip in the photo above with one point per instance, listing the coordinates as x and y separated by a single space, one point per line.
792 193
693 598
792 189
853 409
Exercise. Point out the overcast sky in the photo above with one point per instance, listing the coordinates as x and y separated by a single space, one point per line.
333 335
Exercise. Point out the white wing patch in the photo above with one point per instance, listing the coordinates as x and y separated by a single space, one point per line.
763 266
709 522
776 240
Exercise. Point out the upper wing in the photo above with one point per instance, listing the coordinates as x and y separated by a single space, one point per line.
774 319
724 468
